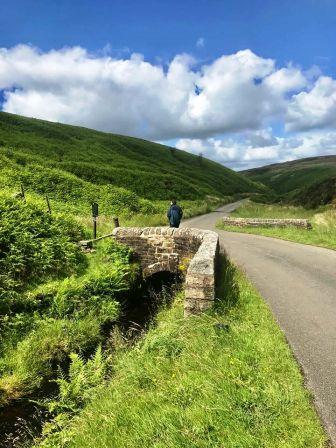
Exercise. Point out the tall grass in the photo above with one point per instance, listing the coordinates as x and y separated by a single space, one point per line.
48 322
254 210
38 306
223 379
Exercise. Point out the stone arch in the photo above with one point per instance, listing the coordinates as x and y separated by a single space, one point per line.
163 266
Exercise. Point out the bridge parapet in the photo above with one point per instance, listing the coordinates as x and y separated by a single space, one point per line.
165 249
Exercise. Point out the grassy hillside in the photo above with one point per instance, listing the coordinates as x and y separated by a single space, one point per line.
319 193
309 182
289 176
150 170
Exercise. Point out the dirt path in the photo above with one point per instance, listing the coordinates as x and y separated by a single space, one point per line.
299 284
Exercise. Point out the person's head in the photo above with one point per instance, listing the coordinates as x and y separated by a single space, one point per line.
173 201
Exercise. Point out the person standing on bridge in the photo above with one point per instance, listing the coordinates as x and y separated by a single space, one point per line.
174 214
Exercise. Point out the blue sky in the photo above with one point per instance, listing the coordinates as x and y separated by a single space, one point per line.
301 30
298 36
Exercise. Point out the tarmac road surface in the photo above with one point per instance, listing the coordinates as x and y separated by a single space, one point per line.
299 284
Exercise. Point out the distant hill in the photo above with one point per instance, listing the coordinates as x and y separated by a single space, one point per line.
309 181
289 176
150 170
320 193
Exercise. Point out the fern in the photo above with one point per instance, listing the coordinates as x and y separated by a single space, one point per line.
78 387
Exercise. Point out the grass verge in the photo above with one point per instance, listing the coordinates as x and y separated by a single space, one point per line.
223 379
323 221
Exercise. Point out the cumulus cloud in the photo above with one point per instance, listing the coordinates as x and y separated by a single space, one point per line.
286 79
315 108
261 148
238 95
132 96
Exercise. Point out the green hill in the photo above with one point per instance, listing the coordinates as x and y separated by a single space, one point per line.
320 193
309 181
289 176
150 170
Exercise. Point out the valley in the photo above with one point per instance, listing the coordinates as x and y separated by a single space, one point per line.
85 338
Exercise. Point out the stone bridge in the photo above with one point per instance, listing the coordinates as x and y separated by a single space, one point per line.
191 251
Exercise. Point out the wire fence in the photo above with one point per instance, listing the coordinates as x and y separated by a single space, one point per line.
94 210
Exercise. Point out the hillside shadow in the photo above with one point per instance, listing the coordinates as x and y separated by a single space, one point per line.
227 287
141 307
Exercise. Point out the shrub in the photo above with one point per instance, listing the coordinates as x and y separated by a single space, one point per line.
64 316
35 245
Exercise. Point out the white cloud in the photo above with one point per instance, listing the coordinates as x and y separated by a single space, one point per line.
286 79
241 93
132 96
315 108
261 148
200 43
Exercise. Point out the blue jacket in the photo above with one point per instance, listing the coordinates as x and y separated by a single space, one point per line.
174 215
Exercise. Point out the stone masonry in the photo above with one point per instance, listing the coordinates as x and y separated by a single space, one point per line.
262 222
167 249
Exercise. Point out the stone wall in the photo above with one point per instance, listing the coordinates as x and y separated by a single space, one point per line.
262 222
166 249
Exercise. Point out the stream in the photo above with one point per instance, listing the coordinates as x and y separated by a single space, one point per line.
22 420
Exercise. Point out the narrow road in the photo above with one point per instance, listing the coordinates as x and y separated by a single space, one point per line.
299 284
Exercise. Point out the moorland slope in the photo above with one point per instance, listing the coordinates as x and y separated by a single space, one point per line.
309 182
150 170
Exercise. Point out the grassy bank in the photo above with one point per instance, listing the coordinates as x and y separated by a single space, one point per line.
55 301
323 221
226 378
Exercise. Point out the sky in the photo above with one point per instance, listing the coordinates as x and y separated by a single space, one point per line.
245 82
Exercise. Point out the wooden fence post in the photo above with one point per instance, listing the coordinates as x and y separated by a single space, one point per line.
48 203
94 218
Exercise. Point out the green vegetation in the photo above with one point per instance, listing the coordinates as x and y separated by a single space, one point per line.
316 194
34 246
57 303
54 299
189 382
289 176
226 378
323 221
309 182
251 210
129 178
148 169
